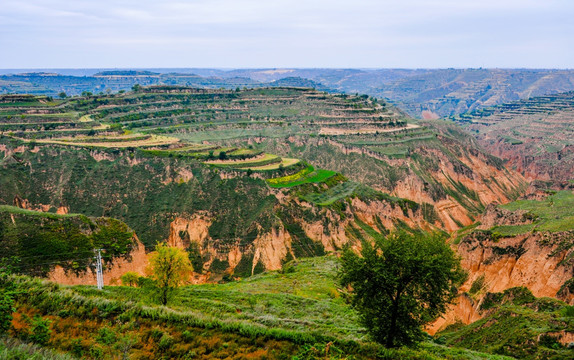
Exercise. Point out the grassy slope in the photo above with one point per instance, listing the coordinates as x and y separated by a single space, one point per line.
555 213
518 325
272 315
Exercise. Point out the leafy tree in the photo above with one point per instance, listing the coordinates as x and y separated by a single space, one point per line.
169 268
136 87
130 278
401 283
62 95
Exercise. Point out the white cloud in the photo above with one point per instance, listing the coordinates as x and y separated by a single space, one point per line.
245 33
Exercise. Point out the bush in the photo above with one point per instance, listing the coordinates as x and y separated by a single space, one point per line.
477 285
6 310
187 336
40 333
130 278
106 336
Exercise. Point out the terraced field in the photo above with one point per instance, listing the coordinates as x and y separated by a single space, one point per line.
216 127
535 135
274 132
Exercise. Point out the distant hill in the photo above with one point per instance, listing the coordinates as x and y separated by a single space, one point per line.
126 73
431 93
535 136
423 93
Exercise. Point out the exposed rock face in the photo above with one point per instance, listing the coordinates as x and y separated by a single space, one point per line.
464 310
270 249
457 178
137 262
183 231
536 261
546 167
494 215
540 261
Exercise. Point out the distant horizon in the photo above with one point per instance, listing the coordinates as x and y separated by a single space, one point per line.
38 69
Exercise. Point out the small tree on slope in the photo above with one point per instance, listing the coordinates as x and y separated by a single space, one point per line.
169 267
400 284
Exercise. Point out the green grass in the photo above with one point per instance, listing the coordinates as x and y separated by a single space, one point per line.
317 176
16 210
14 349
516 326
555 213
300 308
266 159
304 298
284 164
337 192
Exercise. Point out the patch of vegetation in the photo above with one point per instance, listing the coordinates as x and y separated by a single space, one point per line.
300 312
555 213
34 242
517 325
317 176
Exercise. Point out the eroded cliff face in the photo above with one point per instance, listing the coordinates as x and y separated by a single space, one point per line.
136 261
465 310
539 261
270 249
528 159
457 178
542 262
470 185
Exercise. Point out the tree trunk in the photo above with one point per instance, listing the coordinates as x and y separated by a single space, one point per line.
393 327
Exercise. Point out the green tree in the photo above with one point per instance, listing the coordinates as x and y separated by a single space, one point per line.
130 278
136 87
401 283
62 95
169 268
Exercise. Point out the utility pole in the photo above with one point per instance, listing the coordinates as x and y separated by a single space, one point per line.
99 270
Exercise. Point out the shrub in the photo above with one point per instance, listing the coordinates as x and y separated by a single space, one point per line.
477 285
165 343
187 336
6 310
40 332
106 336
130 278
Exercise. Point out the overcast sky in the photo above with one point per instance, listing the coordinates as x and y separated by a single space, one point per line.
286 33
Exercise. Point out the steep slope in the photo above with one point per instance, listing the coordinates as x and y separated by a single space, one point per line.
520 325
296 312
225 173
237 220
526 243
431 163
535 136
62 246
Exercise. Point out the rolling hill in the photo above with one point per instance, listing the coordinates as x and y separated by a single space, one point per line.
535 136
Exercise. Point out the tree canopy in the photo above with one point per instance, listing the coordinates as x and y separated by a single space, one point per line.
401 283
169 268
